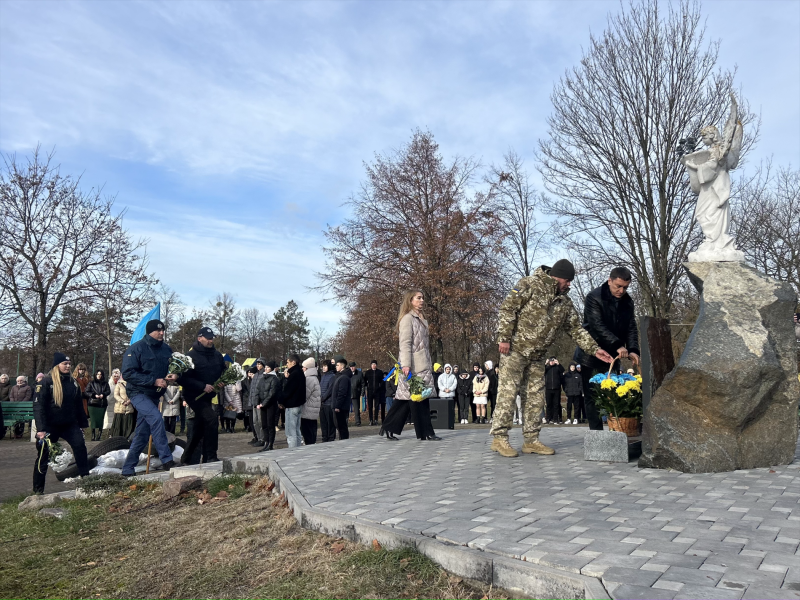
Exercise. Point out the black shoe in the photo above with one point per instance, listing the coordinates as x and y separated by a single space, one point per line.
382 432
389 436
170 464
129 474
434 438
255 443
358 424
266 448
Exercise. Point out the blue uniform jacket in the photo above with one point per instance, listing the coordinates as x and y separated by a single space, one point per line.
143 363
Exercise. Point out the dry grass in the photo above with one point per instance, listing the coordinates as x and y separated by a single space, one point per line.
136 544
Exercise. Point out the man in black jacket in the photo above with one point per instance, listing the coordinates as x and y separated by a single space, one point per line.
199 390
293 396
269 393
609 317
341 397
376 392
553 379
356 389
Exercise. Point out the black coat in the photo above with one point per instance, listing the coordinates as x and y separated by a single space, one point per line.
464 386
97 388
208 366
612 324
375 383
246 393
341 391
48 415
356 383
143 363
573 383
552 376
326 386
391 387
270 386
492 383
293 393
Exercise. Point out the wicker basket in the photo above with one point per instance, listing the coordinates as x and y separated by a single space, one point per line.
627 425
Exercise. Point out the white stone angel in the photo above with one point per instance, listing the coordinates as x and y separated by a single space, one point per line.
709 179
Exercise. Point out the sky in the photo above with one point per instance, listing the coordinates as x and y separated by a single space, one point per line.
235 132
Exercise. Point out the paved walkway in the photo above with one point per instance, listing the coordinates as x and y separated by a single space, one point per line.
644 533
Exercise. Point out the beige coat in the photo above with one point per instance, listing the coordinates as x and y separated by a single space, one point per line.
122 405
415 352
480 388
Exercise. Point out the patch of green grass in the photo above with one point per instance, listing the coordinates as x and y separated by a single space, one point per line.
109 483
234 485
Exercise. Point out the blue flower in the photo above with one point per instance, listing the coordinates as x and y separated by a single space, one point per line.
598 378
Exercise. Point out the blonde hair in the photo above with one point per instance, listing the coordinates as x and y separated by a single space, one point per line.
58 391
406 306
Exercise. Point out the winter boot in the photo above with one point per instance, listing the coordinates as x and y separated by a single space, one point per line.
536 447
501 445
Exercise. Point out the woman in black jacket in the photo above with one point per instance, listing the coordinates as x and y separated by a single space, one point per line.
58 409
96 395
573 388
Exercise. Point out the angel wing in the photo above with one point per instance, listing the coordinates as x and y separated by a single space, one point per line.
730 127
736 147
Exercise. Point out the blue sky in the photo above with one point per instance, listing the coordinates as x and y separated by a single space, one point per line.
233 132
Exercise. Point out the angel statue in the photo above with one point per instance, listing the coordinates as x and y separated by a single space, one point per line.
709 179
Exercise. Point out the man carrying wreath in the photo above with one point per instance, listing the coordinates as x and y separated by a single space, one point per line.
198 390
145 369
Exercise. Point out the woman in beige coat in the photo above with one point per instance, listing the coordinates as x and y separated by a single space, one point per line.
415 358
124 412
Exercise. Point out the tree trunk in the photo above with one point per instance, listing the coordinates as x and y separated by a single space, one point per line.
108 341
175 487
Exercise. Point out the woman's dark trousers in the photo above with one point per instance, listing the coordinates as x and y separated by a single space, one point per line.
269 420
73 435
308 429
422 418
169 424
327 422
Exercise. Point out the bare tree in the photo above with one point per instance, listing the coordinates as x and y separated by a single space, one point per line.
171 307
517 204
318 338
648 83
252 329
766 222
222 315
53 237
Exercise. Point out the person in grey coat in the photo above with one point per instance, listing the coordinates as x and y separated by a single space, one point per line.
309 412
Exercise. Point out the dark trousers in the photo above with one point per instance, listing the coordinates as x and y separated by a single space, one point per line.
183 417
73 435
327 422
463 403
553 404
473 407
375 401
341 424
269 421
169 424
572 401
492 401
357 409
197 453
308 429
580 408
592 414
421 412
206 431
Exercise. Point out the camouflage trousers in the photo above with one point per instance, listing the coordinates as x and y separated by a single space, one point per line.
523 376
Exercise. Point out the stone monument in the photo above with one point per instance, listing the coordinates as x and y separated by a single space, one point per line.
731 401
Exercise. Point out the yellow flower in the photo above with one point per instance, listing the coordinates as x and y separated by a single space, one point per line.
608 384
639 378
622 390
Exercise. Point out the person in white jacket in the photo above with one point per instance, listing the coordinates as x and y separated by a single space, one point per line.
171 406
309 412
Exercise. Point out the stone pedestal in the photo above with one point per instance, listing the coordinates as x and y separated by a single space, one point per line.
731 402
607 446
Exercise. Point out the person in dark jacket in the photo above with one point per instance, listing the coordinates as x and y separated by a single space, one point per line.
199 390
58 411
293 396
327 419
256 398
573 388
356 389
96 395
247 407
145 368
341 397
463 393
269 393
553 373
610 318
491 373
376 392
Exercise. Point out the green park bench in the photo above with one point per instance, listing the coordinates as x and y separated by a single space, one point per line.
14 412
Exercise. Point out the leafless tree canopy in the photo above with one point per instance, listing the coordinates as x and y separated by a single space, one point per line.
517 204
610 157
222 315
60 246
766 218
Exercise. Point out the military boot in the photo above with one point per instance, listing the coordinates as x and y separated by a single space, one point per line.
536 447
501 445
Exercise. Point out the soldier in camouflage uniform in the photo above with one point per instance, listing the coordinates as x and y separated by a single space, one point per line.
530 317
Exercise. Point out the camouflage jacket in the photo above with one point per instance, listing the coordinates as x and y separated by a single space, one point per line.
534 311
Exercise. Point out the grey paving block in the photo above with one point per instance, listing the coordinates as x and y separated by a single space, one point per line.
735 577
688 575
639 592
702 592
626 575
757 592
566 562
602 563
677 560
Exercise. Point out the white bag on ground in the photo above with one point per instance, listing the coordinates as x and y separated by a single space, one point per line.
105 471
114 459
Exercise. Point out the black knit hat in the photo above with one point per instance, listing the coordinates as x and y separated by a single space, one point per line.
272 364
154 325
58 358
563 269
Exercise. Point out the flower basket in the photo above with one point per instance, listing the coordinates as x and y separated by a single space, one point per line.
627 425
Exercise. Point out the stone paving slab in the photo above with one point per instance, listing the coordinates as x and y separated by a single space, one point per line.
645 533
